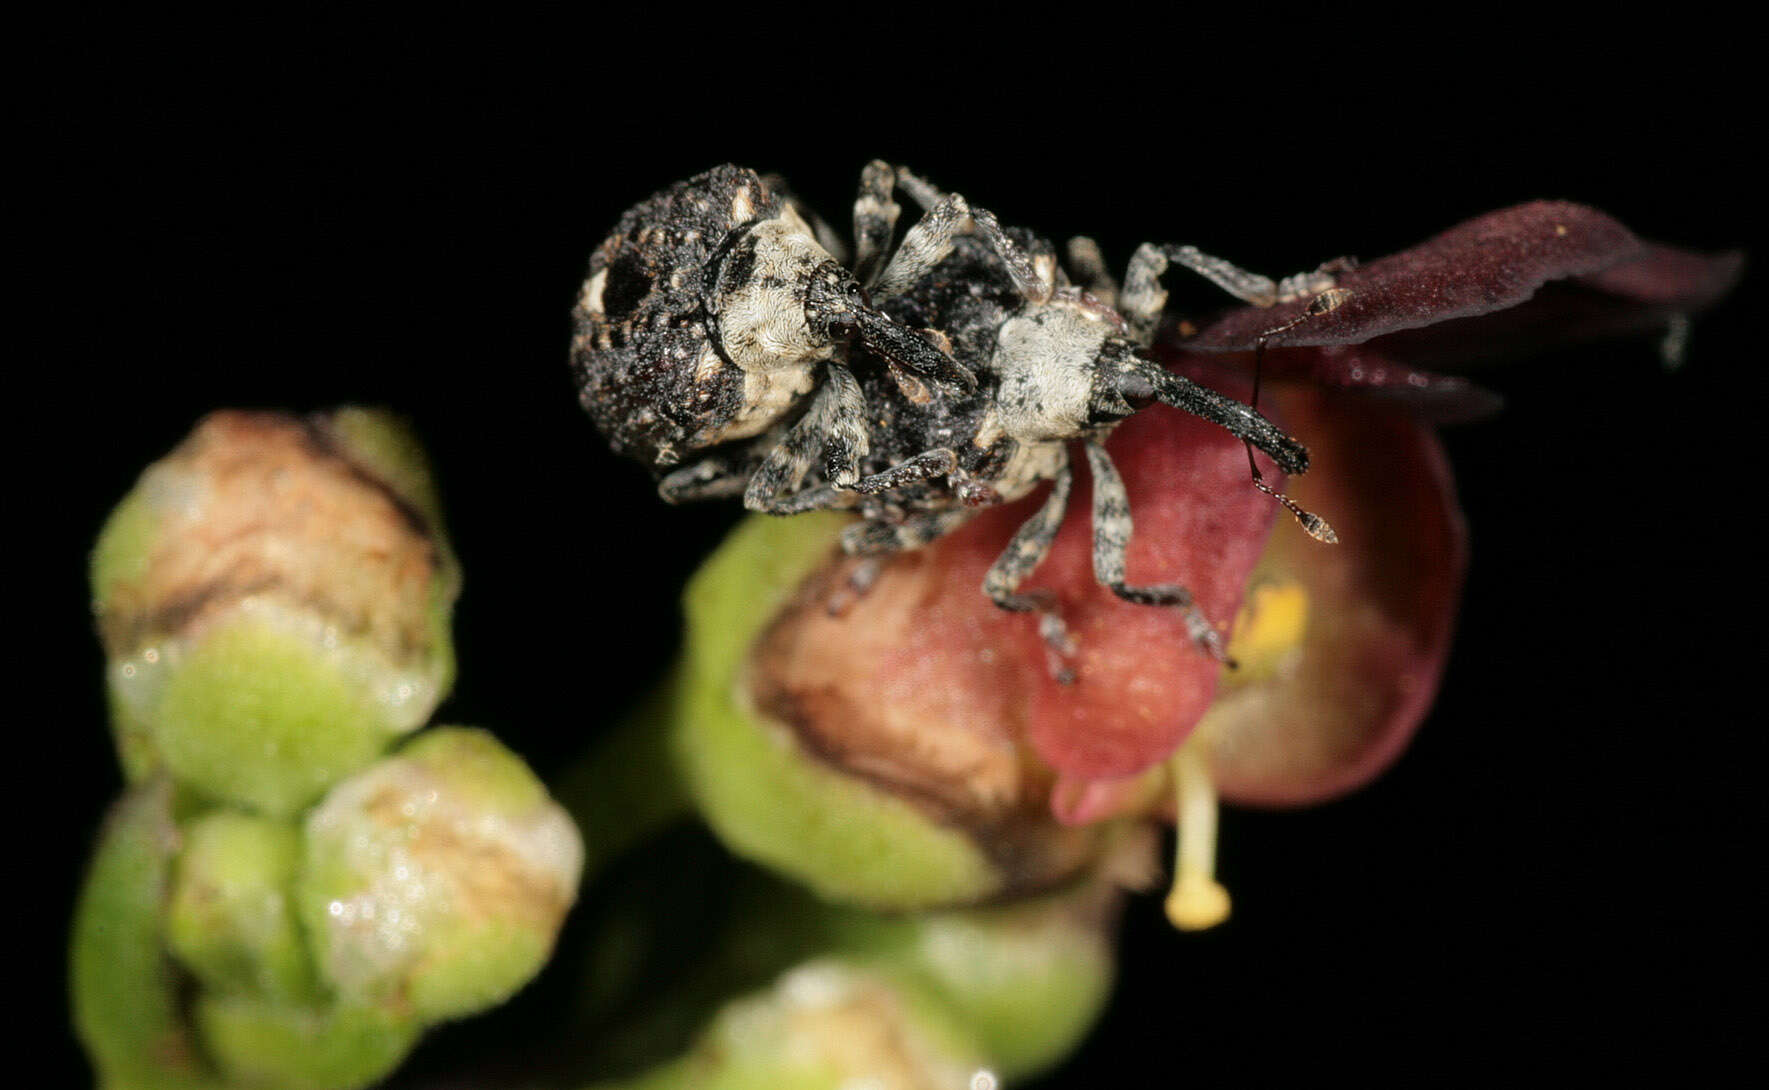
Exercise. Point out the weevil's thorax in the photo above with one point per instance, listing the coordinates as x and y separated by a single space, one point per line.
1039 370
778 305
1046 359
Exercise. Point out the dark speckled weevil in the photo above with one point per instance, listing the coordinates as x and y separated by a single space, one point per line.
914 390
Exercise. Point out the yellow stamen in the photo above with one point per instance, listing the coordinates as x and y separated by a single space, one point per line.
1197 900
1271 623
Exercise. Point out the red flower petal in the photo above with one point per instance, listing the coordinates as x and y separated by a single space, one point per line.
1381 609
1142 683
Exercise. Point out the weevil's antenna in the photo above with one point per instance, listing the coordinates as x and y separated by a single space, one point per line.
1312 524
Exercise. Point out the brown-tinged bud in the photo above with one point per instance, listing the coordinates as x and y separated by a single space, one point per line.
274 600
866 754
436 880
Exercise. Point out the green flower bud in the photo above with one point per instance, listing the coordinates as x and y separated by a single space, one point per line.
436 880
274 601
1025 980
829 787
124 988
826 1025
230 920
263 1042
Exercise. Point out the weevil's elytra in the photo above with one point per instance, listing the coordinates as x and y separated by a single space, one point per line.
953 375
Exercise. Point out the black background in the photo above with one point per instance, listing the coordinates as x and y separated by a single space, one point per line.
399 214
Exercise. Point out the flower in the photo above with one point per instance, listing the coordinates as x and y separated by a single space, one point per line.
925 690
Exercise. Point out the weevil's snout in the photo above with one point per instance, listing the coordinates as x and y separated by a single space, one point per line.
922 353
837 305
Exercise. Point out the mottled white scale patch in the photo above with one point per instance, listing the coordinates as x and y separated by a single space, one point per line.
592 297
742 208
763 328
1045 358
707 367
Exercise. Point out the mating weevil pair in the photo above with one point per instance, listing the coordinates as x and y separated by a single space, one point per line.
718 340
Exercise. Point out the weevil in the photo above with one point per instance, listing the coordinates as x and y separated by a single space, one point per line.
1025 362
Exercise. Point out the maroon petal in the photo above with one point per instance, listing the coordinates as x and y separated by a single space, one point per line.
1343 704
1523 278
1489 263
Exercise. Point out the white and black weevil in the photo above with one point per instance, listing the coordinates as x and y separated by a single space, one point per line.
1053 362
710 310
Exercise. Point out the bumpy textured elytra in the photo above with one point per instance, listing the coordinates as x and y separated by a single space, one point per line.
916 390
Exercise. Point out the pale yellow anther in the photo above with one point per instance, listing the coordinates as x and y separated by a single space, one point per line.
1197 900
1271 624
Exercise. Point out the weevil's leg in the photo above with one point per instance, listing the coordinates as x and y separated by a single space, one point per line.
1144 298
1023 554
875 219
882 537
924 246
1088 266
718 476
947 214
1111 535
1034 279
834 425
923 467
920 190
822 498
846 442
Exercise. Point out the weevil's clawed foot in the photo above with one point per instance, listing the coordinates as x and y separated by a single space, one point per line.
1206 635
1059 646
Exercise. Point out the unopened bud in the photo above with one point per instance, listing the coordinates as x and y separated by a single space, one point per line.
438 878
274 600
231 919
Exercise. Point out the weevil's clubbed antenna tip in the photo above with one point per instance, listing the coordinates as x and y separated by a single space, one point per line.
1312 524
1331 299
1317 527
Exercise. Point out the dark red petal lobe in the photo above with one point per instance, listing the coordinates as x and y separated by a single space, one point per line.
1142 684
1381 608
1489 263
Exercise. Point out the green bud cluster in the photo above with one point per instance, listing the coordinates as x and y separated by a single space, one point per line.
289 894
898 942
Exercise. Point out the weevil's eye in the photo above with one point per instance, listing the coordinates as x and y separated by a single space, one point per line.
1135 389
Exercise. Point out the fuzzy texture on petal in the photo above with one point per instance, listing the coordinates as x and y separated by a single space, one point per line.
1340 707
